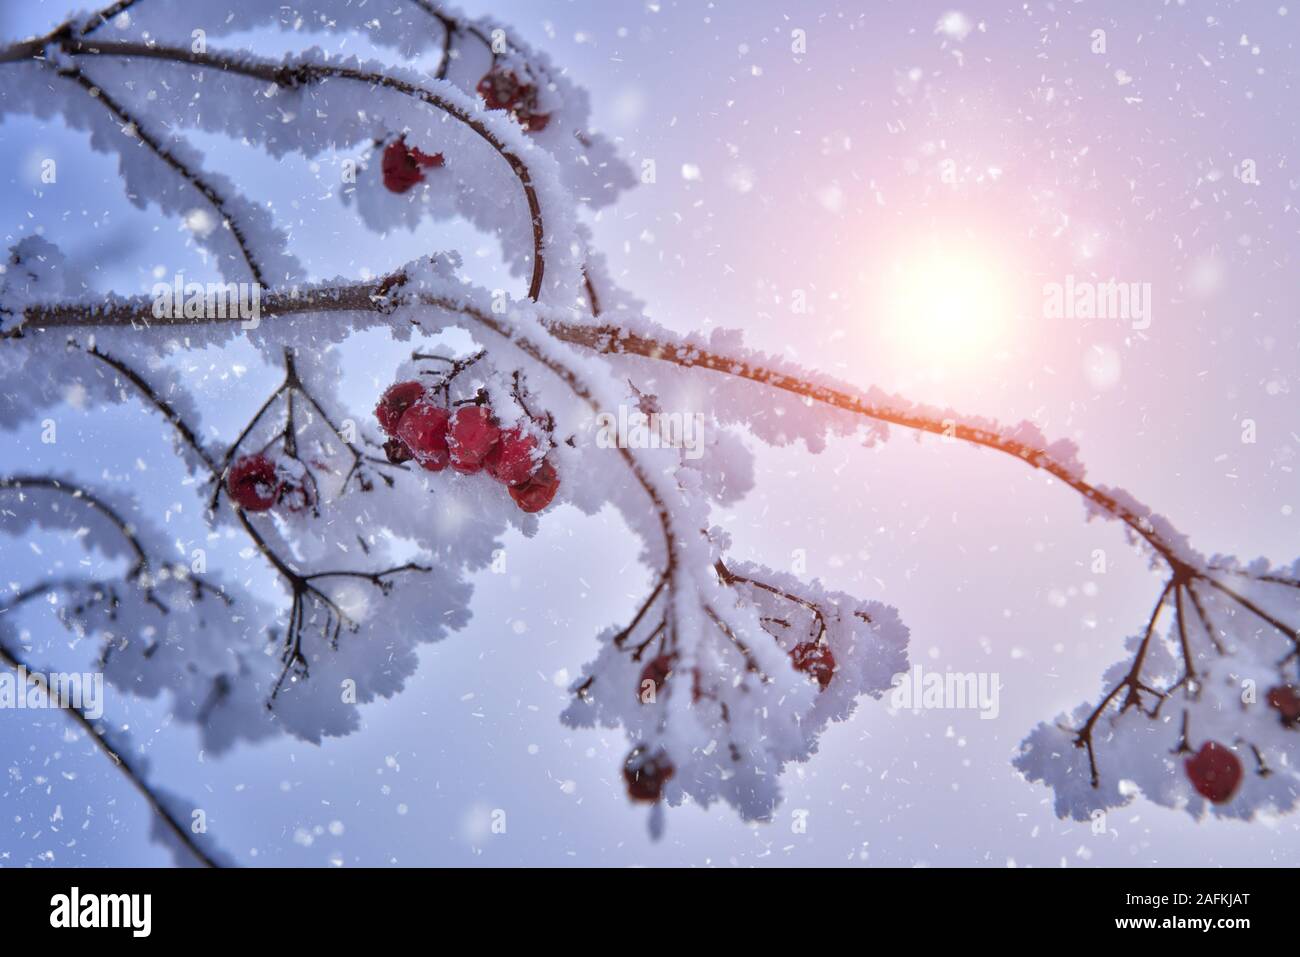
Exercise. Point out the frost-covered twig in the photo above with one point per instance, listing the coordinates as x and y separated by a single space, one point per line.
286 437
451 28
306 597
145 574
663 347
151 395
175 828
727 670
294 76
138 130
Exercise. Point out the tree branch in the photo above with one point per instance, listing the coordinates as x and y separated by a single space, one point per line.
206 189
128 770
287 77
613 340
48 484
158 402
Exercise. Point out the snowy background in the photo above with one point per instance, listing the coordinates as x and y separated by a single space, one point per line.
904 136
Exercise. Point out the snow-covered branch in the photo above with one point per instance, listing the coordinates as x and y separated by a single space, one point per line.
727 670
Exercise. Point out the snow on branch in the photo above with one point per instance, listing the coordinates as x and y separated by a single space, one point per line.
363 527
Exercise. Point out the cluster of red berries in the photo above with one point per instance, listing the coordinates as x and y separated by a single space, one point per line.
468 439
1215 771
503 90
256 484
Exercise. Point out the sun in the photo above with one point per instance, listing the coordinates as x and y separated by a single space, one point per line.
947 304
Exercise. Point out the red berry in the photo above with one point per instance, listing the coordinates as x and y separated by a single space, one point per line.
1285 700
1214 771
535 494
471 438
253 483
423 429
656 671
394 402
511 459
816 660
397 451
402 165
503 90
646 774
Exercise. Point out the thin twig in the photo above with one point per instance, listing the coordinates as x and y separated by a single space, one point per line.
179 831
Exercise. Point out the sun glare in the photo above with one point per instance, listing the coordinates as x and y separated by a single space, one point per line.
947 305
